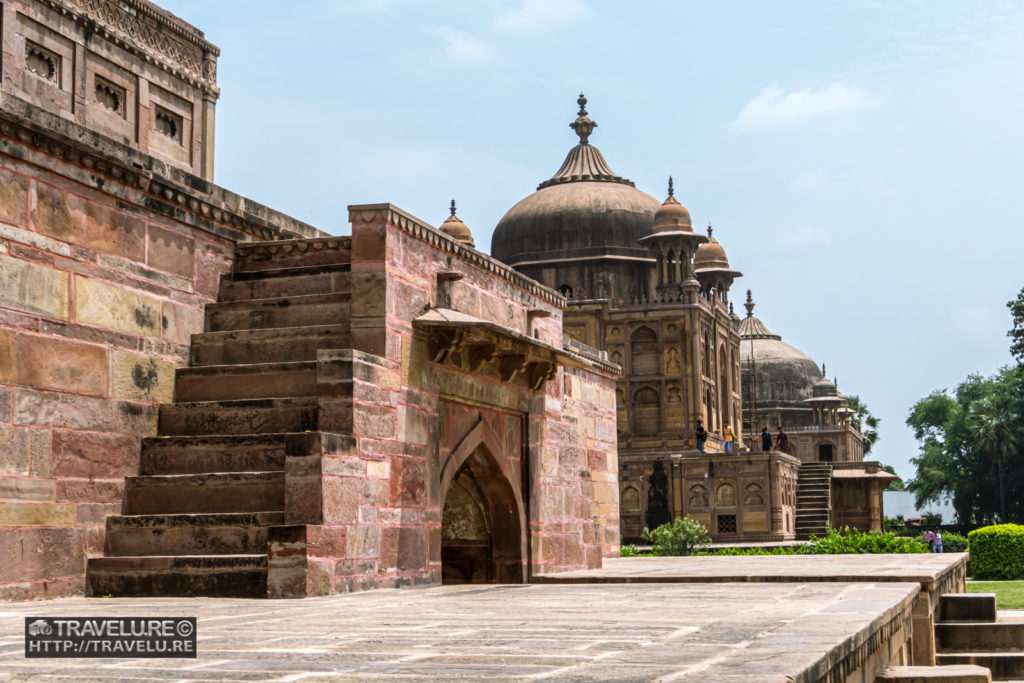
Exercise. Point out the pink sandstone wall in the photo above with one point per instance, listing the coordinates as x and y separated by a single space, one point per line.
404 417
107 257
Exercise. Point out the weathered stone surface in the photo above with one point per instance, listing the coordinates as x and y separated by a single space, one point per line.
13 198
89 224
32 287
564 633
52 363
170 251
14 450
52 409
93 454
35 514
40 553
104 305
138 377
22 488
180 322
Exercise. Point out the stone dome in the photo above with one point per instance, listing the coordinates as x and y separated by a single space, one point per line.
823 388
584 210
711 254
672 216
454 227
781 375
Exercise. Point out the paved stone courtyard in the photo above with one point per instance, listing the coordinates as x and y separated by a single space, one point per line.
707 632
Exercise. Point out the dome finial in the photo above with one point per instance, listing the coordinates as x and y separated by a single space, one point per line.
709 230
583 125
749 305
823 371
453 207
671 190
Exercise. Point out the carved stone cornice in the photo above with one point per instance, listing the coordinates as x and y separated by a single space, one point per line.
391 214
294 246
140 28
26 129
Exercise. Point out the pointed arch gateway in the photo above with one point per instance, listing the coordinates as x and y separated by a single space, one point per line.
482 520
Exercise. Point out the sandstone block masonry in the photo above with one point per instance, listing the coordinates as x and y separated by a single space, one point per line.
386 409
107 258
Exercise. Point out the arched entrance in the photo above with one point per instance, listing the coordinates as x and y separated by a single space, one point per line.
481 533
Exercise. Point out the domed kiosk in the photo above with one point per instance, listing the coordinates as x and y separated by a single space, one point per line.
579 232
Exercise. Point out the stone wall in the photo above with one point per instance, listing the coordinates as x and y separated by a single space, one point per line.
412 414
126 69
107 257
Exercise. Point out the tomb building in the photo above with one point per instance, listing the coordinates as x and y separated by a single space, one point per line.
653 293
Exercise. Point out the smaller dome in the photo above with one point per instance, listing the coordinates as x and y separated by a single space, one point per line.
454 227
711 254
672 216
824 388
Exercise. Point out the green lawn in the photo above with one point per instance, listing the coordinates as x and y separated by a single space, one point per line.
1009 594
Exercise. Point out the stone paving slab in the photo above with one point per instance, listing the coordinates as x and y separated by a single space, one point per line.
711 632
923 568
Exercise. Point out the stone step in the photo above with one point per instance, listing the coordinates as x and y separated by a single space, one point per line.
203 454
281 282
247 416
163 494
225 576
267 345
963 673
967 607
190 534
1003 665
972 636
313 251
255 380
291 311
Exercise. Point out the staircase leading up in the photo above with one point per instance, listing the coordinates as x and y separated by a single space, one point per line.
212 484
971 631
813 500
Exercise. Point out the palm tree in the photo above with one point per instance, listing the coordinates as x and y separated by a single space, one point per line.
864 422
994 423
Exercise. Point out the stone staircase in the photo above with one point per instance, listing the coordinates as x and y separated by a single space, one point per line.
971 631
211 486
813 499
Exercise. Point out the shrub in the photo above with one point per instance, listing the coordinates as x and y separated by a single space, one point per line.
954 543
997 552
680 537
852 541
630 551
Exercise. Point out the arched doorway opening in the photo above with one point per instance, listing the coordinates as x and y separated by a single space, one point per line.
481 532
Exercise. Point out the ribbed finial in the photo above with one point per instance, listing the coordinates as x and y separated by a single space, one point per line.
583 125
732 310
709 230
671 190
749 305
823 371
453 207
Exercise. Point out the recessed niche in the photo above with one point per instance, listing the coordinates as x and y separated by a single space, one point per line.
42 62
111 97
168 124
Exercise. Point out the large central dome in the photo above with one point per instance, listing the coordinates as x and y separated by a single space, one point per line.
585 212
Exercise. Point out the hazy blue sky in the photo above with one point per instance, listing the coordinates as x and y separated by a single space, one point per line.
861 161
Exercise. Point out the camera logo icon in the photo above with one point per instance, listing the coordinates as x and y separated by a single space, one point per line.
40 627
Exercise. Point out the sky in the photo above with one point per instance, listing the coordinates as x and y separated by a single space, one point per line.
861 161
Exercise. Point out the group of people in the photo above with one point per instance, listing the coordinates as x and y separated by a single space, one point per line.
933 539
729 436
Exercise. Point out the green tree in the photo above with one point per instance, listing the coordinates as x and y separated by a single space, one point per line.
994 423
1017 331
896 485
864 422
